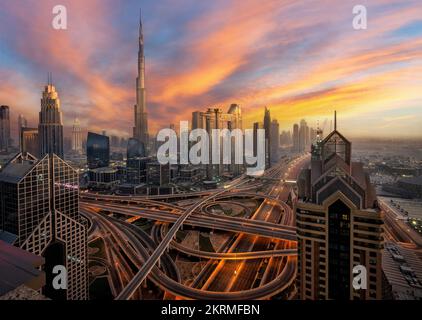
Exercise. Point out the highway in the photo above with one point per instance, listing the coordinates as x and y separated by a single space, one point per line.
134 284
143 252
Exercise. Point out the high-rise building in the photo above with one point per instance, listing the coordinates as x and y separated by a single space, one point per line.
22 122
77 137
50 127
295 138
197 120
215 118
4 128
275 140
28 141
285 138
339 225
140 130
97 150
136 162
267 128
303 135
39 213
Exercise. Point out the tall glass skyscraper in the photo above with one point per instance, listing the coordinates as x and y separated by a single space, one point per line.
97 150
39 212
339 225
4 128
50 127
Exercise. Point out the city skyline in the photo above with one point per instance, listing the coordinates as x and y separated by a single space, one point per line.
369 76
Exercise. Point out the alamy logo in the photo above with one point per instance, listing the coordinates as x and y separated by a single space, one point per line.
360 18
60 281
60 19
359 278
220 146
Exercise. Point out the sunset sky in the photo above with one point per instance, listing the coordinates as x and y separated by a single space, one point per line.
302 59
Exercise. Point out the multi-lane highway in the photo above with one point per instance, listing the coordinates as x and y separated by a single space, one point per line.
263 246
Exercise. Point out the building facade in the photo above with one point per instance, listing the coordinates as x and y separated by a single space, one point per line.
140 130
275 140
4 128
97 150
77 137
50 127
29 141
267 128
40 213
339 225
215 118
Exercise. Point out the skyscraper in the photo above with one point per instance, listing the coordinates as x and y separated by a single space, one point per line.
76 137
339 225
22 122
215 118
50 127
39 212
303 133
136 162
275 140
267 128
197 120
295 138
29 141
4 128
140 130
97 150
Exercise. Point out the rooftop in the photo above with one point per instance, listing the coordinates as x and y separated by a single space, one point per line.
19 267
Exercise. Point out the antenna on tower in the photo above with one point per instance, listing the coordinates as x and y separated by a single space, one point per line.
335 120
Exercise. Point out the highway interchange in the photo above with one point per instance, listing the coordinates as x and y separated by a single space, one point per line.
258 261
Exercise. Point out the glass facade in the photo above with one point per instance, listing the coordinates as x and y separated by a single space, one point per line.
339 251
40 205
97 150
135 149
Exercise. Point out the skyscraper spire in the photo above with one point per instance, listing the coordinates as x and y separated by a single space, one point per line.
140 129
141 32
335 120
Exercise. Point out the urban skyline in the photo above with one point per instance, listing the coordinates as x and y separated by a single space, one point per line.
373 80
126 215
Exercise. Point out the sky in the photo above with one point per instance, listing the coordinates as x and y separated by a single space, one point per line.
302 59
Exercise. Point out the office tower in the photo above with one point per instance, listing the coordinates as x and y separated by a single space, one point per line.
50 127
339 225
136 162
215 118
256 126
40 213
157 174
77 137
4 128
275 140
67 144
303 133
28 141
197 120
295 138
267 128
285 138
135 149
114 141
140 130
97 150
22 122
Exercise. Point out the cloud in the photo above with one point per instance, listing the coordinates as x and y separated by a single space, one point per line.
302 59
